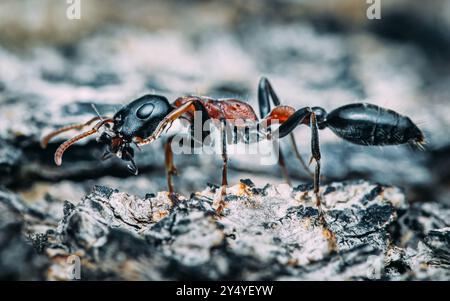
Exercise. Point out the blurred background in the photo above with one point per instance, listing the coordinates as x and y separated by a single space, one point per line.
316 53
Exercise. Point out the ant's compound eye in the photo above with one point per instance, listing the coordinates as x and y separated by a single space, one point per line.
145 111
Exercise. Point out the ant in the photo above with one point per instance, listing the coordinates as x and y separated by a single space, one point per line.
143 121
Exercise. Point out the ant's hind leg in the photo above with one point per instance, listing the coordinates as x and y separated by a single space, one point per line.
282 164
265 94
316 156
223 190
304 116
299 156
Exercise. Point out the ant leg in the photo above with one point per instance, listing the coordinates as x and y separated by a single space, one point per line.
170 167
265 93
302 116
299 156
307 117
316 156
282 164
223 191
290 120
192 104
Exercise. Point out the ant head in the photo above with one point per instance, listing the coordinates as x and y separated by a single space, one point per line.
141 117
321 116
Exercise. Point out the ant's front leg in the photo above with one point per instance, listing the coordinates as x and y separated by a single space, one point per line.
170 167
171 170
191 105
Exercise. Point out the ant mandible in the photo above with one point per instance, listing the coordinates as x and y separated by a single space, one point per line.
144 120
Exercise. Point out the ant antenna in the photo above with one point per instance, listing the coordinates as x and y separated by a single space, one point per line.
96 111
99 116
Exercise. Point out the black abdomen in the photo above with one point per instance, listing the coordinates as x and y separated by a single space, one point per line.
368 124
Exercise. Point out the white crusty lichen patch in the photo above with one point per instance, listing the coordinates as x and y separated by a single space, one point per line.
194 247
281 223
262 223
275 224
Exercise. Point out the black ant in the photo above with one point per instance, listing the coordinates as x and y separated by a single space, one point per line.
144 120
